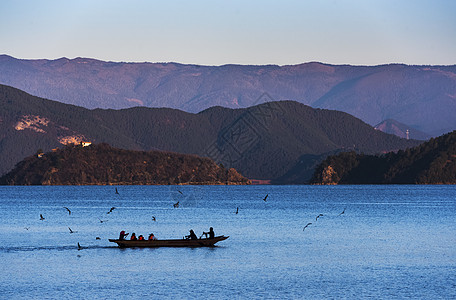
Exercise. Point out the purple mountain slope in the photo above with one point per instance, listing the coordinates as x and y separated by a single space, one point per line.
401 130
424 97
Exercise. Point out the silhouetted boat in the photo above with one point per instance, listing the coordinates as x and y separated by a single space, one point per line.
206 242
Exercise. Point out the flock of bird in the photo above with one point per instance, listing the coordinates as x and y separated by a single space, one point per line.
175 205
42 218
310 223
316 219
307 225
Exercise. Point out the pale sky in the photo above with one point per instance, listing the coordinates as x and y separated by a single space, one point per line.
213 32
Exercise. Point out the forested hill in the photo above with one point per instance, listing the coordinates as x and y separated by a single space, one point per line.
280 141
433 162
104 165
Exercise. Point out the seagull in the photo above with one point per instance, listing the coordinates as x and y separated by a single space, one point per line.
101 221
71 231
69 211
117 192
237 210
320 215
110 211
176 205
306 226
265 197
41 217
79 247
26 228
153 219
342 212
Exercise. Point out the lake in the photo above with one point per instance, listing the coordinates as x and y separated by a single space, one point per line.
391 242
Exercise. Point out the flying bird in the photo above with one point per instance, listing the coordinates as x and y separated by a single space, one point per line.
101 221
69 211
237 210
26 228
41 217
117 192
320 215
97 238
265 197
180 192
79 247
71 231
342 212
153 219
176 205
306 226
110 211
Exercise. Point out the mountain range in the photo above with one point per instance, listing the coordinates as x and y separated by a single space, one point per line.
280 141
422 98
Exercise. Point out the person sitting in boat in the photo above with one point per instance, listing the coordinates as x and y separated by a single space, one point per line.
152 237
192 235
133 237
141 238
122 235
211 233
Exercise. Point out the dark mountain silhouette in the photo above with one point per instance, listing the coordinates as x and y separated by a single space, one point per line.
421 96
433 162
394 127
102 165
266 141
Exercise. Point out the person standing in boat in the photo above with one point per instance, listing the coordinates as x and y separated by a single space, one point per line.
133 237
192 235
123 235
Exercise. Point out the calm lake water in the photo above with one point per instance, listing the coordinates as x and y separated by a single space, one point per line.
392 242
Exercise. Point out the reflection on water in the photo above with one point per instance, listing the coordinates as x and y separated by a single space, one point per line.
390 242
51 248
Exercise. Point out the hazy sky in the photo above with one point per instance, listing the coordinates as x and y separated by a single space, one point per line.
212 32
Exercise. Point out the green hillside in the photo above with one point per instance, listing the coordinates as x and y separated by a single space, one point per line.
433 162
266 141
102 164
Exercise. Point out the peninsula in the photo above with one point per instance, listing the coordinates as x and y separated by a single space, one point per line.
102 164
433 162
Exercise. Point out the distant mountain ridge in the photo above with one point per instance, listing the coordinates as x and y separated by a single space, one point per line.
279 141
401 130
423 97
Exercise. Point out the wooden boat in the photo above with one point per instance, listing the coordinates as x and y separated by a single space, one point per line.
206 242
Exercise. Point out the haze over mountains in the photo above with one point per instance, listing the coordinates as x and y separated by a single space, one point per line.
279 141
401 130
420 97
